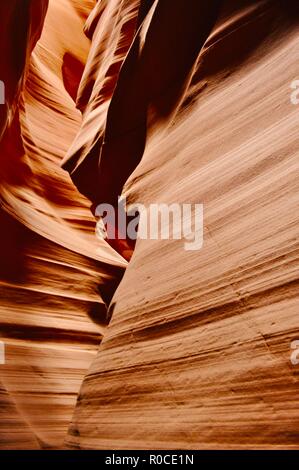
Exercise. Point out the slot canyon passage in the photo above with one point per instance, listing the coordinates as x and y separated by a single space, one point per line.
163 101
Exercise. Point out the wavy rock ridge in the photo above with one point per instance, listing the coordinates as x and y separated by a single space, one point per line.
182 105
54 275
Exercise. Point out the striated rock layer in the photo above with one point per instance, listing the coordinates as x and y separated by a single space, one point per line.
197 354
55 277
167 101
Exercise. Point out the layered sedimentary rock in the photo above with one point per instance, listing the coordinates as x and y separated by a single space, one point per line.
184 102
21 26
197 354
55 277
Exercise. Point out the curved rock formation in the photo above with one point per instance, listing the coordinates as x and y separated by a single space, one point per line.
197 354
180 104
55 276
21 26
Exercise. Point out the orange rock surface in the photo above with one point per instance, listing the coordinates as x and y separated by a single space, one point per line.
174 104
55 275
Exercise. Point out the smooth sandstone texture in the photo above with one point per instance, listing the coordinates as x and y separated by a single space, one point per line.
21 26
197 354
191 102
54 274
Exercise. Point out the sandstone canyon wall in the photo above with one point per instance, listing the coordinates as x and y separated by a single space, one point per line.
52 268
166 102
